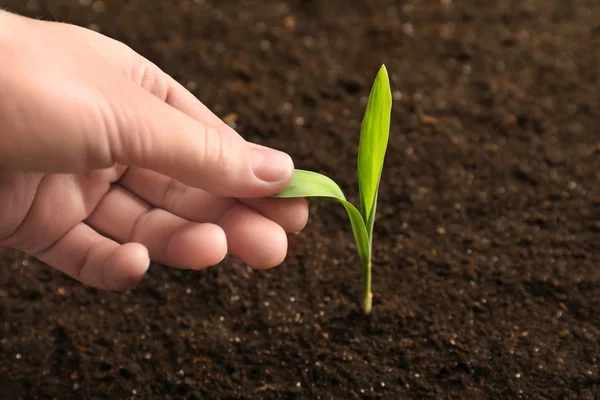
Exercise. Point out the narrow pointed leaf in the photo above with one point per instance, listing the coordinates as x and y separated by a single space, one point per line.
374 136
312 184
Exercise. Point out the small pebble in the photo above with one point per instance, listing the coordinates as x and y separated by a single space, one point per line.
220 48
218 14
265 45
289 22
191 86
408 29
98 7
309 41
260 27
33 5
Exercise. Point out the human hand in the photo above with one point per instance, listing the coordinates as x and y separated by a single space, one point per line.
106 162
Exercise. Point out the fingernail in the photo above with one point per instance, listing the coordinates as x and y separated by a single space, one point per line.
271 165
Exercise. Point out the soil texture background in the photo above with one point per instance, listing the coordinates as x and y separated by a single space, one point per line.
486 269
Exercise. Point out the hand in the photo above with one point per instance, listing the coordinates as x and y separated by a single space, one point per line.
106 162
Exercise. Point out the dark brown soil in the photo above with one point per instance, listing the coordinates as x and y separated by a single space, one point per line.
486 279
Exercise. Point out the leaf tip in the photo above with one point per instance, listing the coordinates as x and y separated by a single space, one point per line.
383 81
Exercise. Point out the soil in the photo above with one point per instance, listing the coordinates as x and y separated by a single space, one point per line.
486 277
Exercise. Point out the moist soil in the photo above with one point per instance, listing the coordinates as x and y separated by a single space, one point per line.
486 277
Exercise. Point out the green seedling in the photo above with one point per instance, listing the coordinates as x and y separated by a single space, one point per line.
374 135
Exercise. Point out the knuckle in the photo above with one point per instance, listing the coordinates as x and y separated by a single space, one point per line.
129 136
100 143
140 225
226 162
150 77
173 194
88 259
218 153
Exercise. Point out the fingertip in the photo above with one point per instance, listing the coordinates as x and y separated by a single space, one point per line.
291 214
215 245
126 267
197 246
301 215
221 240
278 242
273 167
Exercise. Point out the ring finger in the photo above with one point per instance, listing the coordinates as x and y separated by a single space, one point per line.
170 239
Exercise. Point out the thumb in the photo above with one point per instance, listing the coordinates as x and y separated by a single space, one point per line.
201 152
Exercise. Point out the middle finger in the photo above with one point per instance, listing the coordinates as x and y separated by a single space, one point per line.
198 205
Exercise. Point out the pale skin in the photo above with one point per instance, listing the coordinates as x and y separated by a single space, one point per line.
107 163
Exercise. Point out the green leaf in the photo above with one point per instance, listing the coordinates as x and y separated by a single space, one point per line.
312 184
374 135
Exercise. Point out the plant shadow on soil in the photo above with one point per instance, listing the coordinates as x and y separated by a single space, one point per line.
485 273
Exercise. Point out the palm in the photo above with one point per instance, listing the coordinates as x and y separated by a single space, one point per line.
75 223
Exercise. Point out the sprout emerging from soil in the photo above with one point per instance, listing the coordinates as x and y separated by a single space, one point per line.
371 153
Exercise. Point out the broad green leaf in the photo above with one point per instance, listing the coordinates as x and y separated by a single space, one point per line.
312 184
374 136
